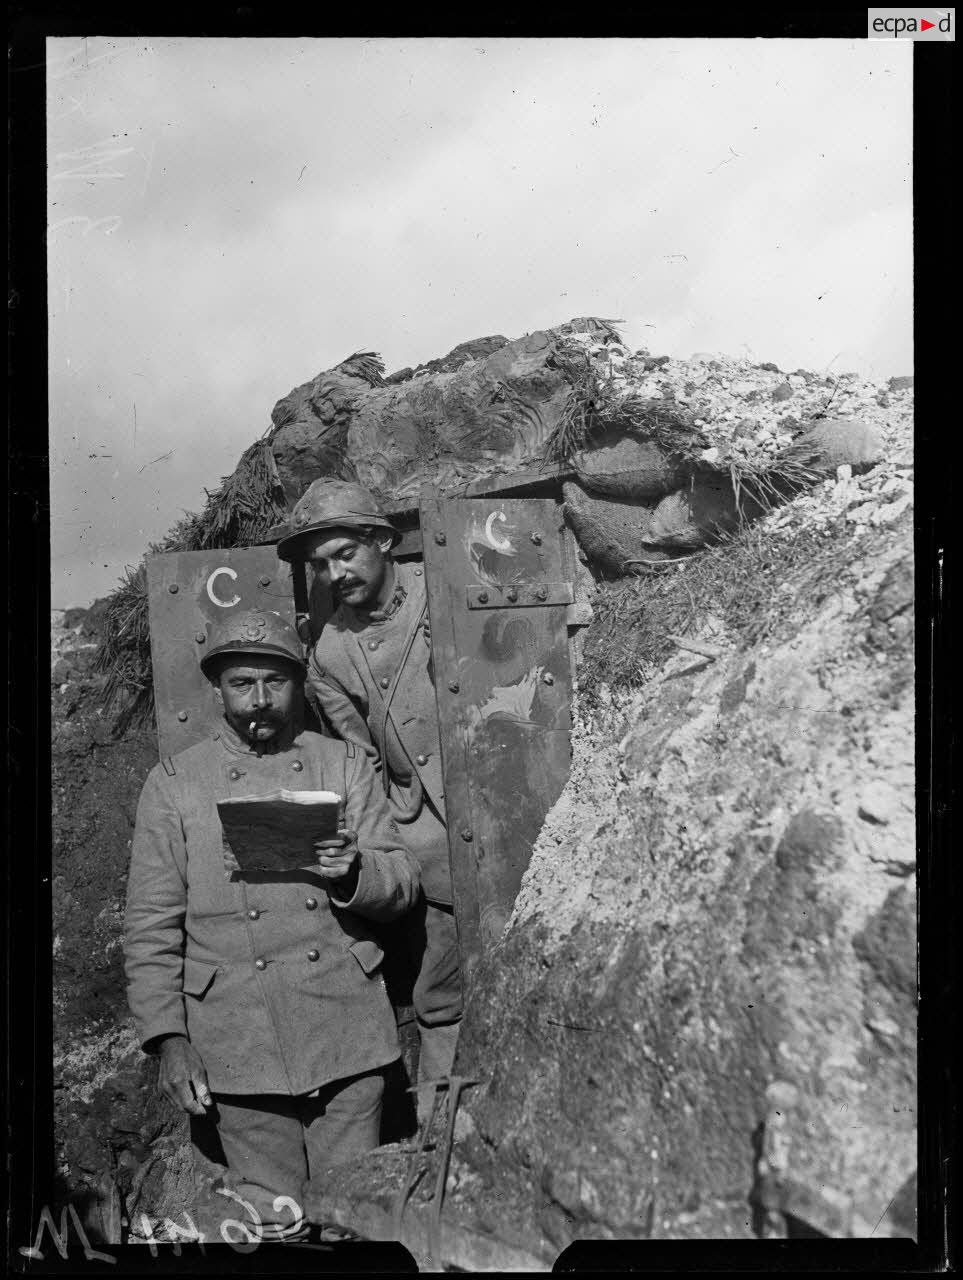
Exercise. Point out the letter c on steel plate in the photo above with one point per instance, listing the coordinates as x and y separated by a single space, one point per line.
223 604
499 544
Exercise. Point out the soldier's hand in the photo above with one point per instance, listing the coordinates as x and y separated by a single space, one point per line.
182 1077
338 859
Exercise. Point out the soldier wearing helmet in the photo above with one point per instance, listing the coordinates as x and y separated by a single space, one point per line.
261 992
369 677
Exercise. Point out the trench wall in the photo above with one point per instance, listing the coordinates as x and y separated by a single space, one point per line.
701 1018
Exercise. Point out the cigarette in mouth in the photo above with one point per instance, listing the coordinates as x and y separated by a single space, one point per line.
252 727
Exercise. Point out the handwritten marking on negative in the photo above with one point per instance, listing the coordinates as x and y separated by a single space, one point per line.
243 1237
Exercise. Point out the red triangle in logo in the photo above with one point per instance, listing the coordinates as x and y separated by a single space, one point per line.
924 25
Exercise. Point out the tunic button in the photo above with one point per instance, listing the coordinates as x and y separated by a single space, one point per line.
314 955
417 573
297 766
421 760
235 774
373 644
254 914
311 904
384 682
260 964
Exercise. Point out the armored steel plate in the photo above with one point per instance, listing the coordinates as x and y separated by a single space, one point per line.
187 591
499 585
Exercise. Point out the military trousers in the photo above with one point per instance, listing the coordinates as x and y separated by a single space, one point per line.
432 942
437 997
272 1144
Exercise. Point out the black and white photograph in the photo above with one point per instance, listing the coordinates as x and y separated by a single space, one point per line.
483 776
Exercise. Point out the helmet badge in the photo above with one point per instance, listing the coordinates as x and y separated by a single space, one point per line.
254 628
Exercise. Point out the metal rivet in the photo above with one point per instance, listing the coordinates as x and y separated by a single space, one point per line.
467 836
173 588
541 594
314 954
297 766
264 582
536 537
483 597
440 539
182 715
200 637
548 678
512 594
454 686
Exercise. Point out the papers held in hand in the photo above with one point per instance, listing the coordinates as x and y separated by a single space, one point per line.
277 831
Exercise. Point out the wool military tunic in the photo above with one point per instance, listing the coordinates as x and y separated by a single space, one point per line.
275 982
351 672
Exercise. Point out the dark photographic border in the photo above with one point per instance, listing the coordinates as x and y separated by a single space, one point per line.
29 1076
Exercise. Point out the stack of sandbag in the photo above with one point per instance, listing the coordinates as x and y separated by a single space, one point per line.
664 456
488 408
617 533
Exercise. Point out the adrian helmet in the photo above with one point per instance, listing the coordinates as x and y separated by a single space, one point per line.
253 631
331 504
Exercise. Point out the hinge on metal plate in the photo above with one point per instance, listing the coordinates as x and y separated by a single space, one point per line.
519 595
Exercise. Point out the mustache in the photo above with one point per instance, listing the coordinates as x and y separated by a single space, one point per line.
256 719
343 585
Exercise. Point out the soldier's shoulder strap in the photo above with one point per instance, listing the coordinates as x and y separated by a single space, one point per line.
169 769
386 705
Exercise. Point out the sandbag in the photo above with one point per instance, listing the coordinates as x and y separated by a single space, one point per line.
490 417
699 514
474 349
619 464
833 442
310 423
490 414
610 533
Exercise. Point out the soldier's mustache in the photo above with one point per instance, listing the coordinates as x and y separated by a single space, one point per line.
258 719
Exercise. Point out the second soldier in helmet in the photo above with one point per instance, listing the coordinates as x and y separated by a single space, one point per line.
369 677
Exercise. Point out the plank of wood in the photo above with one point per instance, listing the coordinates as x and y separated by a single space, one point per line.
698 646
441 590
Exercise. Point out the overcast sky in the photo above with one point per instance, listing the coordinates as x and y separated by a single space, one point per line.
228 217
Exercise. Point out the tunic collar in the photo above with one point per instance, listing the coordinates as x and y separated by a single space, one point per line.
394 604
360 621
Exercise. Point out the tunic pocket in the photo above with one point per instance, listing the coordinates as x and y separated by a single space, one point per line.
367 953
198 976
